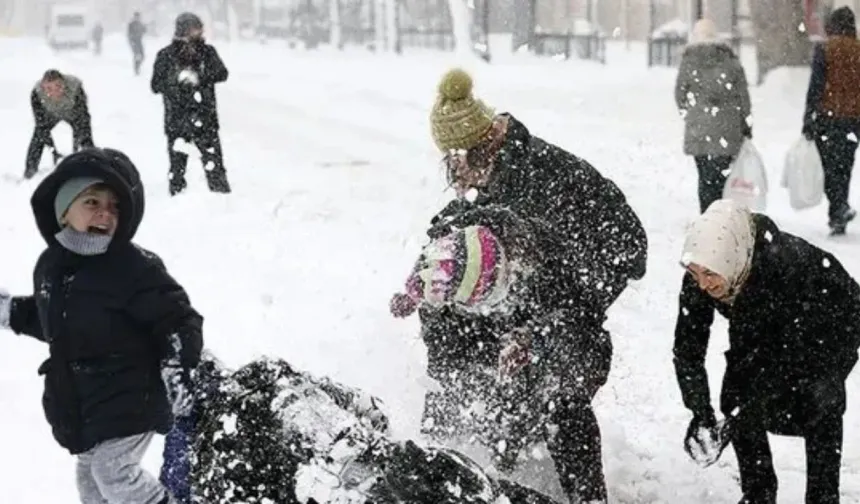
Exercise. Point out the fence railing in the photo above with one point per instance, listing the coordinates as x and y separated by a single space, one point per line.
583 46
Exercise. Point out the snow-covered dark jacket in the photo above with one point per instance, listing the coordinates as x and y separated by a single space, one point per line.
795 322
712 94
270 433
579 236
109 320
189 111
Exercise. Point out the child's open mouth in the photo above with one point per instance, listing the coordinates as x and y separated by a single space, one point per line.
100 230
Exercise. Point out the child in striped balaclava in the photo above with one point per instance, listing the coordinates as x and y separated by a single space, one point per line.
467 268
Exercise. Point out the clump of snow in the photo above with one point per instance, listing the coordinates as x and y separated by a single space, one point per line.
675 27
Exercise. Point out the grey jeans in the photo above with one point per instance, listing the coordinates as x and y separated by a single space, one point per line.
110 473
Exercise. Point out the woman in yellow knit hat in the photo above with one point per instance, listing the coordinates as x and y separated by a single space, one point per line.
579 242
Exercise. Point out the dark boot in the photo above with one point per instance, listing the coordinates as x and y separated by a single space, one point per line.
840 223
213 164
178 164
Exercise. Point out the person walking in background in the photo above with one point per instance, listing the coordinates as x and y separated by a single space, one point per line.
832 115
712 95
136 31
98 36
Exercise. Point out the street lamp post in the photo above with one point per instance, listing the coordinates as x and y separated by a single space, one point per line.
698 10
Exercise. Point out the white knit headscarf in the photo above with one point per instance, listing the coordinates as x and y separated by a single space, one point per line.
722 240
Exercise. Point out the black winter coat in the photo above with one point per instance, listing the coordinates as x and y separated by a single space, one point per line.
290 426
795 323
182 110
585 243
109 320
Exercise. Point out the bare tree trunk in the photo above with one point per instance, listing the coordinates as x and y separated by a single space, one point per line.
781 35
461 20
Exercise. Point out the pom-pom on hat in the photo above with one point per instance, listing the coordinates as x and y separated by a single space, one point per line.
468 268
458 119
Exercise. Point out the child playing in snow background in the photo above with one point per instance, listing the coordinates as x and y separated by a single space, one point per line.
122 335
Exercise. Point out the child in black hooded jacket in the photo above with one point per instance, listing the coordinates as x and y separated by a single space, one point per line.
122 335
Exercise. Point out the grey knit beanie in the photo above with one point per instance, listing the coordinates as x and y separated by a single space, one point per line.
69 191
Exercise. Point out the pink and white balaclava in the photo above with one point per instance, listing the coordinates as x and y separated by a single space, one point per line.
467 268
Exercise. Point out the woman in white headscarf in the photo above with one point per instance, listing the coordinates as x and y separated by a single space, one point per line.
712 96
794 331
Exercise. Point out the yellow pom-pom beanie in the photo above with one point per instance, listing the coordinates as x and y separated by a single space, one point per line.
458 120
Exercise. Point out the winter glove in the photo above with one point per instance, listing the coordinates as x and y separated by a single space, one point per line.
807 133
495 217
451 210
179 386
706 438
516 352
746 130
401 305
188 77
368 409
5 309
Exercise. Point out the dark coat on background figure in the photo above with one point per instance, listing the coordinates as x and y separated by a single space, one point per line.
186 114
712 93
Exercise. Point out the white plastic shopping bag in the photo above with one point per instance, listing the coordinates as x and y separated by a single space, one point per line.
747 180
803 175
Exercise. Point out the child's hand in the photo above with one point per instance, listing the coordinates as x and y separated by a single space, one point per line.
180 392
402 305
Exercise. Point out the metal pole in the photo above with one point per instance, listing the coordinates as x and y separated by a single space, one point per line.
698 10
485 22
650 37
532 24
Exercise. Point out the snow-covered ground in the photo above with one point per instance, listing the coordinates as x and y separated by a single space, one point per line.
335 177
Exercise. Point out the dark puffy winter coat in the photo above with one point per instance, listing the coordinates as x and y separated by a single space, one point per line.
109 320
584 242
794 324
182 109
287 428
712 93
